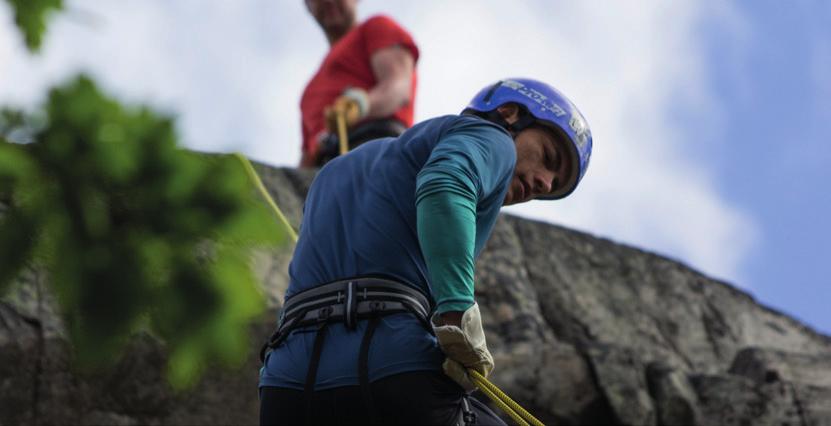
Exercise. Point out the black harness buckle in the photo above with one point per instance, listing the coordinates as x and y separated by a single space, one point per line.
377 306
324 313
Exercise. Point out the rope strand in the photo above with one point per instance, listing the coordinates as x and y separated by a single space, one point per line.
502 399
252 174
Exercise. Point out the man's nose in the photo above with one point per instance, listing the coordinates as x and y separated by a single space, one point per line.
543 183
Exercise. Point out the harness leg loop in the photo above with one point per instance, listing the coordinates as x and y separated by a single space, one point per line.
363 367
311 374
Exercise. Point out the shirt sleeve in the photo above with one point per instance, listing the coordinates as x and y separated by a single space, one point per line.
468 165
382 31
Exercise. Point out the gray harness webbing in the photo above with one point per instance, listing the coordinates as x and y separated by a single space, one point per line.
348 301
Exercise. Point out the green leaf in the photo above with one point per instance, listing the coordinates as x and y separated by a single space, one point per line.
135 232
31 16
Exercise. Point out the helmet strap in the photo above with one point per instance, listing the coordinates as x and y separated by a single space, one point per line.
495 117
525 119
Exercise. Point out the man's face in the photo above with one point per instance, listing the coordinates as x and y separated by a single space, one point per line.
334 16
543 163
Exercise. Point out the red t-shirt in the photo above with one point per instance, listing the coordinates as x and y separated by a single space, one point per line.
348 65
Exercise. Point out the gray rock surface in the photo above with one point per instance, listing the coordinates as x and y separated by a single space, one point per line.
583 330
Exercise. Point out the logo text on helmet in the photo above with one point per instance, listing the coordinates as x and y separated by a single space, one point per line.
581 130
535 96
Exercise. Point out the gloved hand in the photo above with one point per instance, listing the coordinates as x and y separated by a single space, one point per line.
353 104
465 348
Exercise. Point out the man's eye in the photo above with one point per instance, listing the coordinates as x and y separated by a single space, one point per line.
552 160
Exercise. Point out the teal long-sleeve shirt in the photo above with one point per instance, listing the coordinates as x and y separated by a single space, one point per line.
447 233
462 170
417 208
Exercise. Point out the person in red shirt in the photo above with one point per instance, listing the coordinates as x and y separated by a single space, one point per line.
368 75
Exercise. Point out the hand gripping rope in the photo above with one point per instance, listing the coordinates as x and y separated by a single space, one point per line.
502 400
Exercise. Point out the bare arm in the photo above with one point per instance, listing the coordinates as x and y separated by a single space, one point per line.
393 67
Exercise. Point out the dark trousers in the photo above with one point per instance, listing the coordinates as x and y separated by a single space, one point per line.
415 398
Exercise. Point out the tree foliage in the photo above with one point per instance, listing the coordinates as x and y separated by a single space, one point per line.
31 16
135 233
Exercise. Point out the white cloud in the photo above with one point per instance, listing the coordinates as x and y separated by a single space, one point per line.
235 71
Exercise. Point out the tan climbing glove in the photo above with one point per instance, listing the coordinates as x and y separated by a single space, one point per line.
353 104
465 347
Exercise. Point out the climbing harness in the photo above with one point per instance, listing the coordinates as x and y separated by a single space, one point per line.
368 297
347 301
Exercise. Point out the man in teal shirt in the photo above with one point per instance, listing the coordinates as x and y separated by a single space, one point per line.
403 219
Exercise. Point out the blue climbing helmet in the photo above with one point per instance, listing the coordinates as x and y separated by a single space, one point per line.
539 104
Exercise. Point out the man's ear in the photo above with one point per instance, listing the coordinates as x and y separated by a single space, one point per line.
509 112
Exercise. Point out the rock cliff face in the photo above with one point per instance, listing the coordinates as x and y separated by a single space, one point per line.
584 331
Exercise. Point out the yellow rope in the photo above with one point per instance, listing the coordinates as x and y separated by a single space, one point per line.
252 174
502 400
503 406
342 135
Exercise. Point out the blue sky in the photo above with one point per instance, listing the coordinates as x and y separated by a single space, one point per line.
711 119
774 154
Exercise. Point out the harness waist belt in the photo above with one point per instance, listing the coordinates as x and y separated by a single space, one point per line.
348 301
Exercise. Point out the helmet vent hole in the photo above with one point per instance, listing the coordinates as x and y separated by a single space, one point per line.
491 91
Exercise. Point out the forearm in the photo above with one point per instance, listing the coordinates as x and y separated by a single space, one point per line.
388 96
393 67
446 221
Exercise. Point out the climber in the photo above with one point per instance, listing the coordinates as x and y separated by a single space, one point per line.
380 322
368 75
